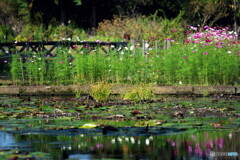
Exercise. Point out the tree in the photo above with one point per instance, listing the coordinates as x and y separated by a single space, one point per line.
236 15
206 11
62 9
14 14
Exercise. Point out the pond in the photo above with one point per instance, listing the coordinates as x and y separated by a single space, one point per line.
32 129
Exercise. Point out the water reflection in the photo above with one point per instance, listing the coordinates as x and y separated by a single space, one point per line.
6 140
83 146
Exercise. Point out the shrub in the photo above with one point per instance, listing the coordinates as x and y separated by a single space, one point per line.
101 91
139 93
142 27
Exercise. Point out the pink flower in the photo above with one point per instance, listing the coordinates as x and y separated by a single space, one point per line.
61 62
185 57
193 51
74 47
174 30
99 145
206 53
208 40
97 40
187 41
170 39
5 61
187 32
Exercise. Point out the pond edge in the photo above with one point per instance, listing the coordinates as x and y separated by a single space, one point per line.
118 90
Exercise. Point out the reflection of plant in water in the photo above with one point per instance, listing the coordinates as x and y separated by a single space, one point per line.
151 147
198 146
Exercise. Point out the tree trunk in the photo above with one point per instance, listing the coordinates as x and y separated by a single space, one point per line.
62 13
235 25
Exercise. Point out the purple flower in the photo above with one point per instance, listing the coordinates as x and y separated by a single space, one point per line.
185 57
206 53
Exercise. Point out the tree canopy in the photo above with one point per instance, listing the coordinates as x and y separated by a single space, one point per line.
88 13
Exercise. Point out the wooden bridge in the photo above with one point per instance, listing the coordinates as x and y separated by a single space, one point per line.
7 49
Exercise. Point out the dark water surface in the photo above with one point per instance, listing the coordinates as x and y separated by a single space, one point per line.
74 145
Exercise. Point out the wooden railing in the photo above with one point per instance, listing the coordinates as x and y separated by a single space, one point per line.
49 46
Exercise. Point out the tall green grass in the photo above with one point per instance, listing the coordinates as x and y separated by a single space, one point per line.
185 64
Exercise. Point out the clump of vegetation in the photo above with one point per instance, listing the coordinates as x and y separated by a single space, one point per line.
139 93
101 91
52 33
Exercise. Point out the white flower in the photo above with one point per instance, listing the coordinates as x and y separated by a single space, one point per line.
126 48
122 52
147 142
139 142
131 48
132 140
39 69
113 141
119 48
146 45
180 82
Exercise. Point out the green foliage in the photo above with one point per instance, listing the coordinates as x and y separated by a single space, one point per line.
101 91
52 33
17 69
185 64
6 34
143 27
140 93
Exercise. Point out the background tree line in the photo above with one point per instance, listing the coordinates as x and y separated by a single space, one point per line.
17 15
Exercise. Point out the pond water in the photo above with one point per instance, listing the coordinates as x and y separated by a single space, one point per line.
204 130
77 146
